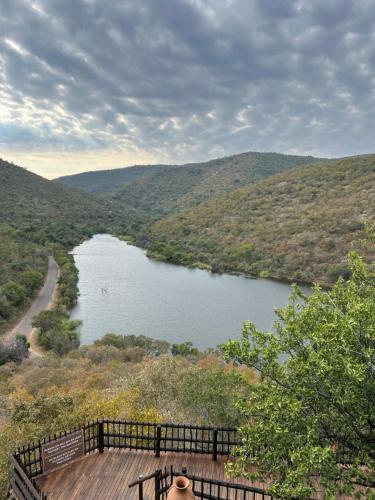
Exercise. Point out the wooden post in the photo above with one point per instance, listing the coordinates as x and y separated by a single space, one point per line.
214 445
158 441
100 437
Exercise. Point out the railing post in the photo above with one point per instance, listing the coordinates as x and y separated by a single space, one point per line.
158 440
157 485
100 437
140 489
214 444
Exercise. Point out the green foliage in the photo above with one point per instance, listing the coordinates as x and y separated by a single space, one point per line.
22 268
297 225
148 345
313 407
185 349
68 280
42 410
18 349
32 280
339 271
210 395
39 217
52 393
14 351
56 332
16 294
157 190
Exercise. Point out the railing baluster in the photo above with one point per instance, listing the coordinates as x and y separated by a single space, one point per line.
214 445
158 440
101 437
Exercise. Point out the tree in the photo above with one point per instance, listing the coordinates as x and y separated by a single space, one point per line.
18 349
313 408
56 332
14 292
209 394
65 338
184 349
47 320
32 280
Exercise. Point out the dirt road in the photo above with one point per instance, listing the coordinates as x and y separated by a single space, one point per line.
43 301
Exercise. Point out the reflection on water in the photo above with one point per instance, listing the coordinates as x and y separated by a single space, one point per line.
122 291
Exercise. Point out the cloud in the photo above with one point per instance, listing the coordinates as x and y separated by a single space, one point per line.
184 81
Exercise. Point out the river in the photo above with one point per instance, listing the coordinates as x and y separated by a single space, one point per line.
122 291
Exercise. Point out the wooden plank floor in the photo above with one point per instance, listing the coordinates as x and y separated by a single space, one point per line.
106 476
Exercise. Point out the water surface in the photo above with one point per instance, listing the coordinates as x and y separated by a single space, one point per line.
124 292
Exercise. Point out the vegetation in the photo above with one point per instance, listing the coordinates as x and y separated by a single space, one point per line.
298 225
22 268
49 394
157 190
15 350
56 332
37 218
313 408
311 404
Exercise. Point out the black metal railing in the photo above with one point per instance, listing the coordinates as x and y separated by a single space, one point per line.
169 437
22 485
204 488
102 434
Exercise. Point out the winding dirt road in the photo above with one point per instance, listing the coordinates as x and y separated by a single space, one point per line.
44 300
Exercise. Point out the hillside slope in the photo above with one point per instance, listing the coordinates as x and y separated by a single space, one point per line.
34 214
298 225
156 191
30 202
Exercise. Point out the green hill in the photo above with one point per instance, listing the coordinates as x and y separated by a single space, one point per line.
297 225
34 215
158 190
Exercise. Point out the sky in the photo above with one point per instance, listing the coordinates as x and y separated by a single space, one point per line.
92 84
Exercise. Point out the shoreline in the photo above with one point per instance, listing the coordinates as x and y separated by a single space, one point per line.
44 300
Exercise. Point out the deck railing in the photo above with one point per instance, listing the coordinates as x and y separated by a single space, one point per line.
158 438
102 434
204 488
22 485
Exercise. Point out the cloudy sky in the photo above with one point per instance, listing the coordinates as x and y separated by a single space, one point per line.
89 84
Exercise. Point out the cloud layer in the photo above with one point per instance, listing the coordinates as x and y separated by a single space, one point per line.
104 81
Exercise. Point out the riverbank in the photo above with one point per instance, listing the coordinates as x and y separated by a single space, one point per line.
124 292
203 266
45 299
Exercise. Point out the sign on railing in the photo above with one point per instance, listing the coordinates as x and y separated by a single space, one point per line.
62 451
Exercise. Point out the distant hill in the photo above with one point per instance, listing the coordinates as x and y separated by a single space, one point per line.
157 190
296 225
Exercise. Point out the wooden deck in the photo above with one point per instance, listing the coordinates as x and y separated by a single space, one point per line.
106 476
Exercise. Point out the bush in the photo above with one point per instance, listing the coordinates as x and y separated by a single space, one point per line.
56 333
185 349
32 280
151 346
15 293
16 350
339 271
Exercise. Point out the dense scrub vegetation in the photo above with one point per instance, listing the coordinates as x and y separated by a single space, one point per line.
119 377
158 190
51 213
23 265
15 350
38 218
298 225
